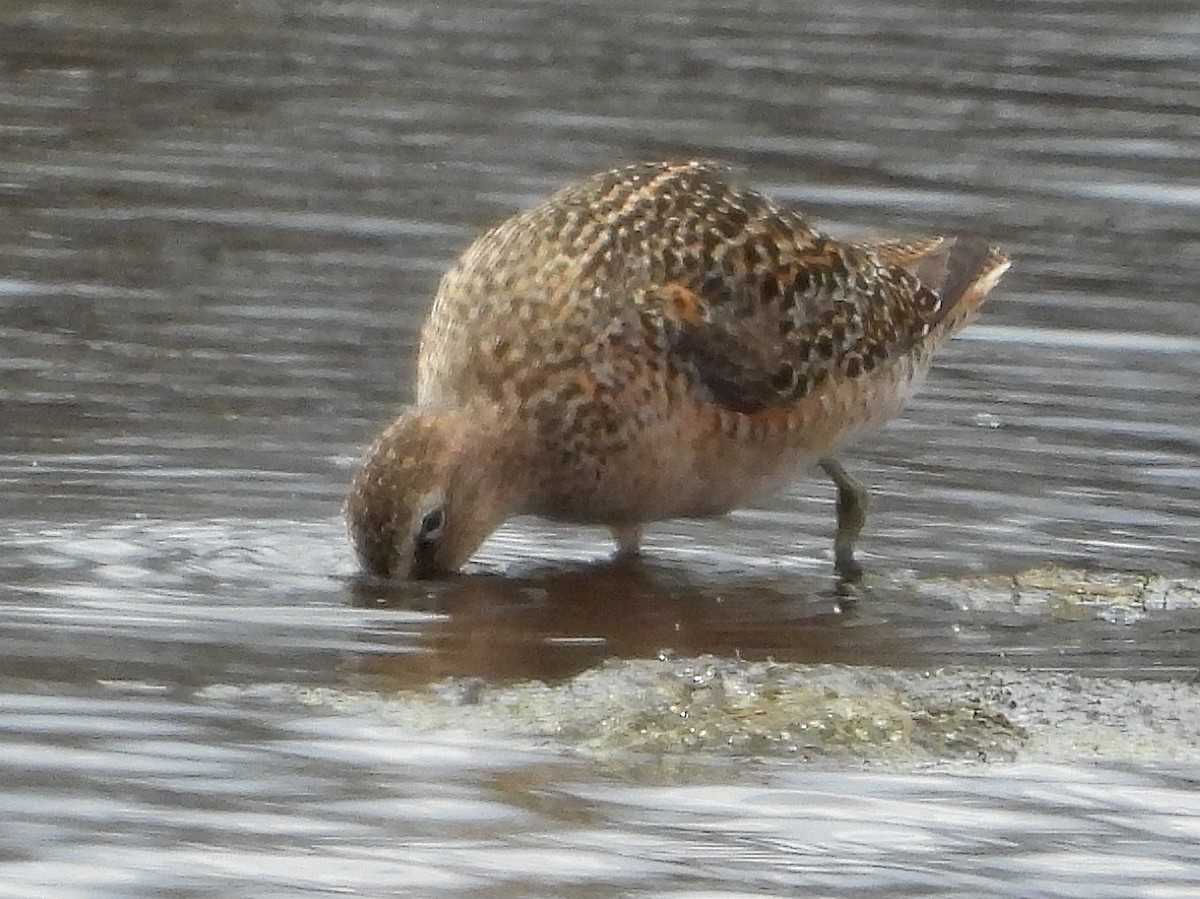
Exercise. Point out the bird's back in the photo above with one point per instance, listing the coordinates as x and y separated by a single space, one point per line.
660 302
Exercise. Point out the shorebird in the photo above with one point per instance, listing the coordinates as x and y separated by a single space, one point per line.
653 342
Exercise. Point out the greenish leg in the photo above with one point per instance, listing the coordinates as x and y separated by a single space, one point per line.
852 502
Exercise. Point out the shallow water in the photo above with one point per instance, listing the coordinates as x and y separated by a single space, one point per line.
221 229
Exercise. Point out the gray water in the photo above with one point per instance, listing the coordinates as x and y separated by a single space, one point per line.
221 227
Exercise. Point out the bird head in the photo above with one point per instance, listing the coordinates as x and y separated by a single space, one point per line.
429 491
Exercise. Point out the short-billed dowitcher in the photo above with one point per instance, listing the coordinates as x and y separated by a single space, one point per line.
653 342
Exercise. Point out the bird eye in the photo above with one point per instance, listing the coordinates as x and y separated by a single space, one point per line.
432 525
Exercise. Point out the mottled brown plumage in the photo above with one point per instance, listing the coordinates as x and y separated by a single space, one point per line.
651 343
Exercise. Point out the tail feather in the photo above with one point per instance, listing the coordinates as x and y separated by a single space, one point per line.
960 267
961 270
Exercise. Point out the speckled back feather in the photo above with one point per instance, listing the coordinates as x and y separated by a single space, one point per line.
743 297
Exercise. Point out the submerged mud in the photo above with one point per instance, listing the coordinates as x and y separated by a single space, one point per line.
1071 594
862 714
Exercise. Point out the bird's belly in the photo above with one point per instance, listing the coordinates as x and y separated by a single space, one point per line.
638 488
679 468
692 460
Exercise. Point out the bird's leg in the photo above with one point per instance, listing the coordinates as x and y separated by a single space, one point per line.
628 537
852 501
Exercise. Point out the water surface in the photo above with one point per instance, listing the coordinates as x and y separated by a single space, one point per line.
221 230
